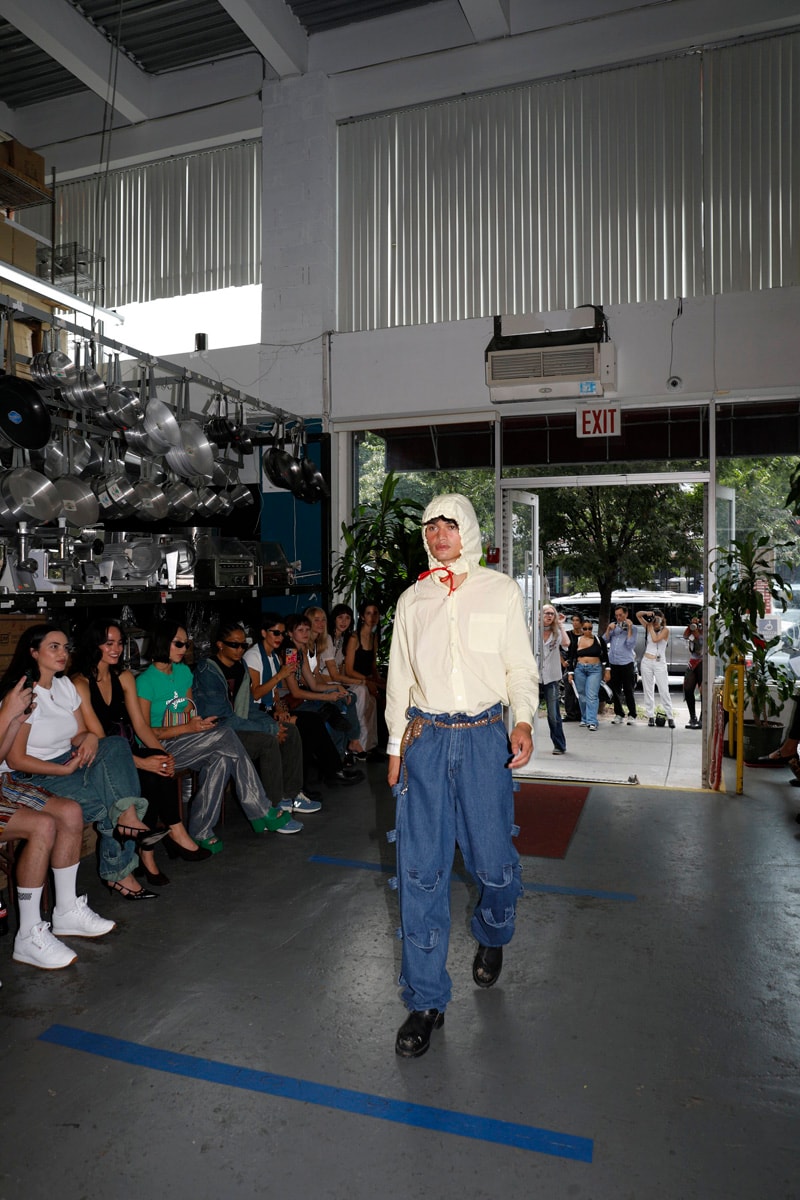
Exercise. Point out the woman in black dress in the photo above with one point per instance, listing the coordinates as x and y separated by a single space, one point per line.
110 694
361 660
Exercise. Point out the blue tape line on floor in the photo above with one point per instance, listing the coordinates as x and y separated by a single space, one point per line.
551 888
484 1129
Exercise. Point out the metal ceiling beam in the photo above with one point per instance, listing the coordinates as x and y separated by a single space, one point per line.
63 34
487 19
274 31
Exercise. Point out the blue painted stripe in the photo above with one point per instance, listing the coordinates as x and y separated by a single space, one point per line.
484 1129
551 888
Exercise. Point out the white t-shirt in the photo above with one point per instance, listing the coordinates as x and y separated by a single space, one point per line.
53 722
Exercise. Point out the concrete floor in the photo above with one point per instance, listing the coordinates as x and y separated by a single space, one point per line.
642 1043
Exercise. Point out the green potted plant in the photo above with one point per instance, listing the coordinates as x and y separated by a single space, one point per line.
382 553
744 577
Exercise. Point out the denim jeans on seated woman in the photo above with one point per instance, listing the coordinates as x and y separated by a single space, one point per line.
588 677
104 790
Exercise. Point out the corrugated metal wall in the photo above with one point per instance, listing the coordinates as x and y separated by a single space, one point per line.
751 135
188 224
586 190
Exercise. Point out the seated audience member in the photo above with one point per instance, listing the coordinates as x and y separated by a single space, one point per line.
361 657
222 691
308 693
268 675
200 743
55 749
109 695
329 650
51 828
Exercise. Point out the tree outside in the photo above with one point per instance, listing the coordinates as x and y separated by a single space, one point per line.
605 538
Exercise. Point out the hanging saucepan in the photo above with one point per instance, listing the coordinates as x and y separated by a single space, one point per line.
113 489
54 462
149 501
197 449
225 504
208 502
137 439
92 383
24 418
241 495
313 486
60 369
94 464
283 470
78 502
225 474
124 405
159 422
27 495
243 436
182 499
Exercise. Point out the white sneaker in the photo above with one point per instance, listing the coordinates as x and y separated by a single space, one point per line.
41 949
631 720
80 921
301 804
617 720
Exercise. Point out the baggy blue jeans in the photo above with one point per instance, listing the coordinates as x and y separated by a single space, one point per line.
104 790
551 695
588 677
454 788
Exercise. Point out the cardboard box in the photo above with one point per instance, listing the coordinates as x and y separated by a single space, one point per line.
17 248
24 161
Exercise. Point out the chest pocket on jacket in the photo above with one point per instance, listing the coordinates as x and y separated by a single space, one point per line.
485 634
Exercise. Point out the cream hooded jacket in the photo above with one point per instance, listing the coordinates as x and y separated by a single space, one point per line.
464 650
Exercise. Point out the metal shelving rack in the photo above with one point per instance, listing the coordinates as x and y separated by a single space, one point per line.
75 268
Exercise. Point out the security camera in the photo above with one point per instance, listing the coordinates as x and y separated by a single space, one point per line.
675 383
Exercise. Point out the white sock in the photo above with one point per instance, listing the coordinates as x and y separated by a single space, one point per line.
30 909
65 879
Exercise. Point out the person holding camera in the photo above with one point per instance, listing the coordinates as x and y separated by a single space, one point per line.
621 639
693 677
654 665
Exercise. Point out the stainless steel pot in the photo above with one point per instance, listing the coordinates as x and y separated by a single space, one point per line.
159 422
27 495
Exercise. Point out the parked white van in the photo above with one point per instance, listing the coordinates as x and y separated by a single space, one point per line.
678 609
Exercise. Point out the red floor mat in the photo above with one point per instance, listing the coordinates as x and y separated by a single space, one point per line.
547 815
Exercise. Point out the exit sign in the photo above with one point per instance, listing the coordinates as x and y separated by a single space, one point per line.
602 420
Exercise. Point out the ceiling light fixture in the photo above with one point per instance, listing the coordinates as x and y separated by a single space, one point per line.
49 291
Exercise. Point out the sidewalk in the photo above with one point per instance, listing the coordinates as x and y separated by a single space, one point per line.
622 754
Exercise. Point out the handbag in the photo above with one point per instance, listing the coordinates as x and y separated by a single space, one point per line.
179 711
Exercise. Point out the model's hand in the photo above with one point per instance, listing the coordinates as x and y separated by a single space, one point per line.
20 700
86 753
393 770
521 740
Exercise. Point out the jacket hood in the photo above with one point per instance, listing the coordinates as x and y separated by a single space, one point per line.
454 507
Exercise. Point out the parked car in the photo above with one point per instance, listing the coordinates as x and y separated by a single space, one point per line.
678 609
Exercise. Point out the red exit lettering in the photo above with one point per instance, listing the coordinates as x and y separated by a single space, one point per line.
599 422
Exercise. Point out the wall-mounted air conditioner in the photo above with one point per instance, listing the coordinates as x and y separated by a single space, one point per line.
530 373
